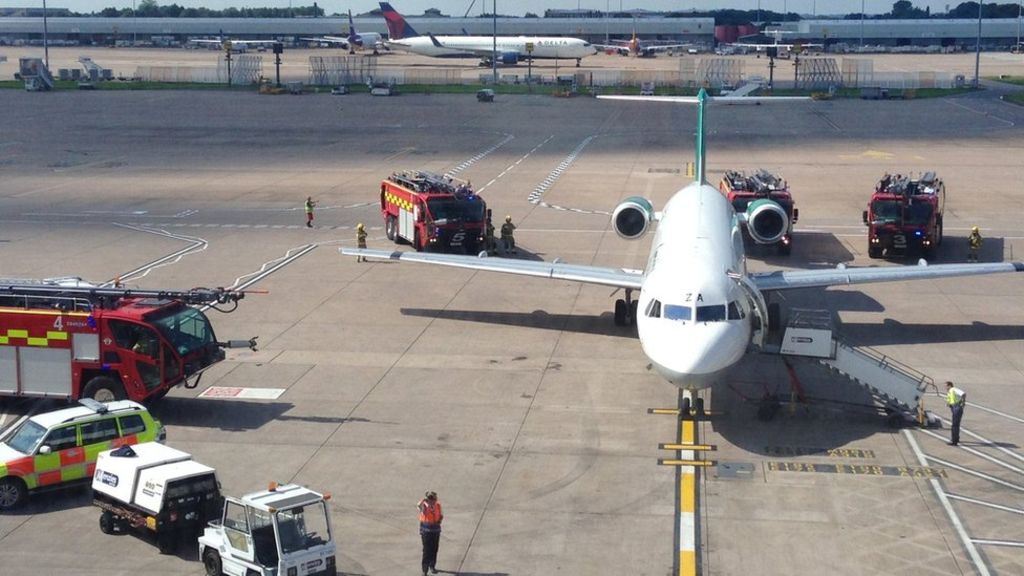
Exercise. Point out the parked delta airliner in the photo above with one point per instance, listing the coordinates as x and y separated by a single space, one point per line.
699 309
510 49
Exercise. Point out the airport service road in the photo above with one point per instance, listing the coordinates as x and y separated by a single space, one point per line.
517 399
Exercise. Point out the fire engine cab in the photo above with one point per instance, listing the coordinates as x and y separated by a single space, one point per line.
433 212
66 338
904 215
764 204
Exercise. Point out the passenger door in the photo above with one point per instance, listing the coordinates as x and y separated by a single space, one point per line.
236 529
140 348
60 457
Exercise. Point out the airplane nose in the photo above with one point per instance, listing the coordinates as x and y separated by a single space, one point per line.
698 356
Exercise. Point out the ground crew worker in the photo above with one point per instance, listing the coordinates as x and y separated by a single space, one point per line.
974 242
430 530
508 241
360 240
490 244
310 203
955 399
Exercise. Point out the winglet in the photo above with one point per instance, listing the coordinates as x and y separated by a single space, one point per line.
351 26
702 99
435 41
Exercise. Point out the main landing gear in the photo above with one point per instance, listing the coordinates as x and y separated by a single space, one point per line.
625 309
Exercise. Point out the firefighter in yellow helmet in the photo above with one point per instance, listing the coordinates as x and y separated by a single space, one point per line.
508 241
360 240
974 242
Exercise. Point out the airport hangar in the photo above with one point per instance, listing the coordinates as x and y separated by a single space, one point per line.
996 33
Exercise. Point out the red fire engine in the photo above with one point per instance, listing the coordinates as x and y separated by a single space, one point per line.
65 338
433 212
904 215
764 204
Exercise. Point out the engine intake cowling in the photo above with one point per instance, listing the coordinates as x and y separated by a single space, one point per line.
509 58
767 221
632 217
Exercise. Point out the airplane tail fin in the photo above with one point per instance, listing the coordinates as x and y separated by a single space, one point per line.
398 28
702 99
351 26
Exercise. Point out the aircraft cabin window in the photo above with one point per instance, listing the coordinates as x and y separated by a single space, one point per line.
676 312
654 309
714 313
735 312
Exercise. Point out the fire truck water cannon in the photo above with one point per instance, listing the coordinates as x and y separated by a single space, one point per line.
765 206
67 338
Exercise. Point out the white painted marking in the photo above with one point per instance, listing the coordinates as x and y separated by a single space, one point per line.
986 504
523 157
1012 543
989 443
972 551
238 392
975 473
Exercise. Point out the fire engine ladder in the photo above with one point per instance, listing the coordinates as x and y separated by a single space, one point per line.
78 291
899 388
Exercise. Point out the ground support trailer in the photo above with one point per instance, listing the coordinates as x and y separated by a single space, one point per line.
156 489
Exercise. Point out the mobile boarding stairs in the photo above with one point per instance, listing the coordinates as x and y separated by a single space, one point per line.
899 388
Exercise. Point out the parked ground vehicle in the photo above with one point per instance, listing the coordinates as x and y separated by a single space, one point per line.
433 212
765 204
485 95
58 449
904 215
155 488
67 338
284 530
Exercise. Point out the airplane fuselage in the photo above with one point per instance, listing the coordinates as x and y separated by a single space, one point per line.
469 46
694 318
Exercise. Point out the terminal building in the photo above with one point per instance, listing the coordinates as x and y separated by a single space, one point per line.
995 33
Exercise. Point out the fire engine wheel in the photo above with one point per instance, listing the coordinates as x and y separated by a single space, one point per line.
12 493
106 522
391 228
211 562
104 389
874 252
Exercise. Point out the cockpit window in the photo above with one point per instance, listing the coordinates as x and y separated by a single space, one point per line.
735 312
714 313
676 312
653 309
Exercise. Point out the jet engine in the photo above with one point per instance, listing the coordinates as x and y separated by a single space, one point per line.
509 57
632 217
767 221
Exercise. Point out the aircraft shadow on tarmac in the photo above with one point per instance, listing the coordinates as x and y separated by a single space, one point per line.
602 325
233 415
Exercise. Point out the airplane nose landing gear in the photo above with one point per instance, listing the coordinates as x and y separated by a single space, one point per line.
625 309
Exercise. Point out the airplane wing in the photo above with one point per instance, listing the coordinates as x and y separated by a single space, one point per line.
233 42
840 276
329 40
615 277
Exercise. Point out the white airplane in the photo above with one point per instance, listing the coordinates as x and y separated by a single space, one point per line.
699 309
644 49
510 49
230 44
354 40
782 49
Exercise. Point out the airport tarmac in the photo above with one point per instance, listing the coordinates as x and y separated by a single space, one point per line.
295 64
517 399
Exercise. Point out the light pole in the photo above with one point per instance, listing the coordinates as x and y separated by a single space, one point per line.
46 44
135 26
494 54
1020 6
861 23
977 47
